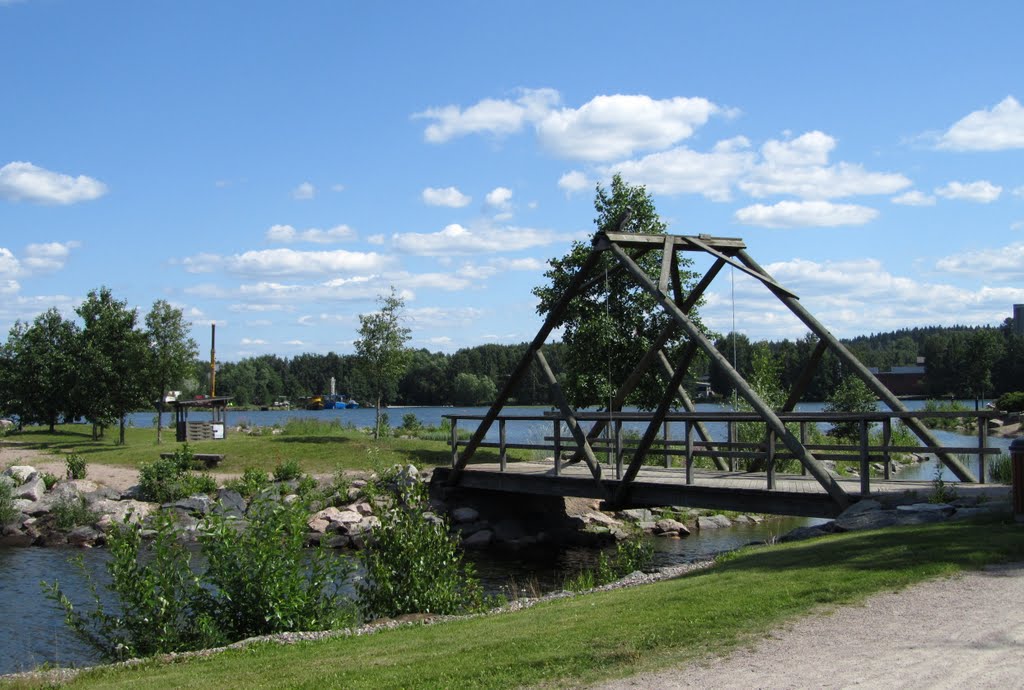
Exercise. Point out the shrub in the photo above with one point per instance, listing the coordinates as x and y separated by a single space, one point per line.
946 423
630 555
413 565
76 466
169 479
1001 469
8 513
1011 402
69 513
262 581
287 470
410 422
50 480
852 395
252 482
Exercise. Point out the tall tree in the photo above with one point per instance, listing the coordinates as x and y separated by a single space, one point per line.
171 351
381 347
40 372
113 356
607 330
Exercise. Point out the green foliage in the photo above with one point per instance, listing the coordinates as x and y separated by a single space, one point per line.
852 395
471 389
765 380
1011 402
253 481
413 565
287 471
410 422
8 513
630 556
261 580
946 423
942 491
170 353
310 426
50 480
381 347
159 599
1001 469
170 479
70 512
77 468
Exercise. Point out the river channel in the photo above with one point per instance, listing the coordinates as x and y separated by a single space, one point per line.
32 630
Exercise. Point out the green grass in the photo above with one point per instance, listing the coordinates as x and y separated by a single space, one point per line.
608 634
316 447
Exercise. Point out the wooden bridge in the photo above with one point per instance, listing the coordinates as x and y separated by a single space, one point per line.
814 491
680 469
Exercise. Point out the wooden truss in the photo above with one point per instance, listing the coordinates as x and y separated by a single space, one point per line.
667 291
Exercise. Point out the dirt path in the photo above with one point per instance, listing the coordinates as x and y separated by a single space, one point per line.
963 632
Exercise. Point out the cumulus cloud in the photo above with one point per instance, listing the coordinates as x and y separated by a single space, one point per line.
48 256
304 191
998 129
574 181
981 191
9 263
288 262
447 196
500 265
914 198
376 239
499 197
252 341
443 317
455 239
491 116
803 214
287 234
20 180
997 263
684 171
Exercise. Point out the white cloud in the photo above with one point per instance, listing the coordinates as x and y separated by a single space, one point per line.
304 191
608 127
48 256
1018 225
997 129
810 148
252 341
294 343
495 266
574 181
9 263
287 234
443 317
9 287
981 191
914 198
997 263
455 239
1018 191
684 171
337 188
447 196
376 239
499 197
491 116
793 214
288 262
22 180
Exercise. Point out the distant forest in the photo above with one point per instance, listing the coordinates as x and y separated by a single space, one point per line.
963 362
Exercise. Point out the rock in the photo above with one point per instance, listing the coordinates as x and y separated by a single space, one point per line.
16 539
637 514
942 508
8 481
31 507
117 512
20 473
362 527
469 528
807 532
669 527
465 514
230 503
82 486
335 541
478 540
353 493
596 517
871 519
861 506
290 499
199 504
646 526
713 522
362 507
83 535
509 530
32 490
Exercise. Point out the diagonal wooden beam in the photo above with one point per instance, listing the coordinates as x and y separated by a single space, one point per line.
668 256
764 278
570 419
702 431
847 357
805 377
651 432
815 468
571 291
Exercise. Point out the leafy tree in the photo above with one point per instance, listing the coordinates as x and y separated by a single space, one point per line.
607 330
470 389
852 395
171 351
114 358
40 372
381 347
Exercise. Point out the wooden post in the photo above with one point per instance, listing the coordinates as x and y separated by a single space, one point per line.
731 431
618 449
803 440
982 444
770 453
455 440
668 458
865 468
558 446
502 450
886 442
688 429
583 445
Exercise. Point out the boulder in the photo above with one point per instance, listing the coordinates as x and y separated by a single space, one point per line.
199 504
871 519
862 506
670 528
465 514
596 517
335 541
32 490
713 522
478 540
807 532
16 539
83 534
509 530
20 473
230 503
117 512
362 507
941 508
637 514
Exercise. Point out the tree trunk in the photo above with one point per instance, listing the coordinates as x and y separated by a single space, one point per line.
95 432
160 416
376 424
120 441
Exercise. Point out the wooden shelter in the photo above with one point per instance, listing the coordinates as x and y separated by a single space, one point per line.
213 429
666 289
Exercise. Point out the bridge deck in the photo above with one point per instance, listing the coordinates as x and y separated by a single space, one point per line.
720 490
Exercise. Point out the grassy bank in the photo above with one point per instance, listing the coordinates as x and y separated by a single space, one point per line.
317 447
606 634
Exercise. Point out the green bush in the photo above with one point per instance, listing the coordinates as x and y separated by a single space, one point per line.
287 470
50 480
413 565
8 513
1011 402
76 466
69 513
1001 469
946 423
170 479
253 481
410 422
630 555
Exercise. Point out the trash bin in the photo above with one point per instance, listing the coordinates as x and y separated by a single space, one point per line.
1017 468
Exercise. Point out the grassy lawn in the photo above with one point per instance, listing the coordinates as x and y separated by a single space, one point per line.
316 447
607 634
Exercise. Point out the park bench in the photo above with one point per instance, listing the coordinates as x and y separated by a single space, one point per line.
208 459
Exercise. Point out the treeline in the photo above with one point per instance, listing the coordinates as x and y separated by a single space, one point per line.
471 376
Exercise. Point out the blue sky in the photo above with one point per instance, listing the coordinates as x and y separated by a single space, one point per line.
273 167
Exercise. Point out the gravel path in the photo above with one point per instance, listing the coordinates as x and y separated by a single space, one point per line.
963 632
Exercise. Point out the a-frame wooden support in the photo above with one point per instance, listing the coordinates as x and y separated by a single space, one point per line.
666 290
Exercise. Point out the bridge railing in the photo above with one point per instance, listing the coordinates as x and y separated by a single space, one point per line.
678 446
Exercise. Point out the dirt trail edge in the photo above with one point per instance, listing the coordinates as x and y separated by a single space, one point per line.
960 632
